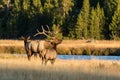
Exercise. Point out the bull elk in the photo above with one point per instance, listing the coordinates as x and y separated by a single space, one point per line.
35 47
49 51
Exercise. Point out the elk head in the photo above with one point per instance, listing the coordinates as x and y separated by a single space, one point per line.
26 39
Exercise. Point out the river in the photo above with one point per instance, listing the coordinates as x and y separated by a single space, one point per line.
81 57
87 57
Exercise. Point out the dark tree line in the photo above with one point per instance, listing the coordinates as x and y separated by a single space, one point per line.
73 19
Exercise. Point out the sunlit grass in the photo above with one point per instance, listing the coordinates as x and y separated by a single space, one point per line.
71 43
11 43
99 47
19 68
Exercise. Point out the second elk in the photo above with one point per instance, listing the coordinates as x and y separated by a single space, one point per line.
50 46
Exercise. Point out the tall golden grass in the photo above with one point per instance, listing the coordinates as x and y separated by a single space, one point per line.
19 68
11 43
95 44
99 47
71 43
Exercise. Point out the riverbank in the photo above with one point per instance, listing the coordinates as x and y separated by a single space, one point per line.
19 68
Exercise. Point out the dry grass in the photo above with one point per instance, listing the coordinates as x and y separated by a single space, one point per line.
99 47
11 43
93 44
19 68
70 43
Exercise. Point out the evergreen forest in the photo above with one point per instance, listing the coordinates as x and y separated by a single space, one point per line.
70 19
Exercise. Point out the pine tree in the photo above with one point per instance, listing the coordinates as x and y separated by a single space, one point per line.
82 21
115 25
57 31
61 11
26 5
38 6
17 5
92 25
48 5
100 22
109 9
96 22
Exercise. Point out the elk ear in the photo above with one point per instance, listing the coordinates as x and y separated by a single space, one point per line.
22 37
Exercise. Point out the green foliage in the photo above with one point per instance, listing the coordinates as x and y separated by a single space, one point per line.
17 5
92 23
26 5
110 7
37 6
96 23
115 25
76 19
57 31
72 34
82 21
61 11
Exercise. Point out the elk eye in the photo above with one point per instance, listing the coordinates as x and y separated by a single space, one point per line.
52 43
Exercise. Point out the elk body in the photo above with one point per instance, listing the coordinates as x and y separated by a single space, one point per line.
51 55
51 52
33 47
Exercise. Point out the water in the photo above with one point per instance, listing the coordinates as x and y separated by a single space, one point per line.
87 57
80 57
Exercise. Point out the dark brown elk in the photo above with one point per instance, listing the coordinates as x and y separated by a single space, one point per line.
50 46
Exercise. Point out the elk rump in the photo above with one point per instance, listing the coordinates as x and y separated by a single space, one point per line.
31 47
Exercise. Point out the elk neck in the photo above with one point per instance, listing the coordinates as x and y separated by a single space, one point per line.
47 44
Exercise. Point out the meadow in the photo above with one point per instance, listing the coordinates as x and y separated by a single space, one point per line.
19 68
76 47
14 67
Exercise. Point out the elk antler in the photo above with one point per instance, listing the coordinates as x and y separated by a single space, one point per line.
48 29
43 32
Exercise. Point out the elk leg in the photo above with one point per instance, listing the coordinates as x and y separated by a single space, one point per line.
52 61
42 60
40 55
29 54
46 61
28 57
35 54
